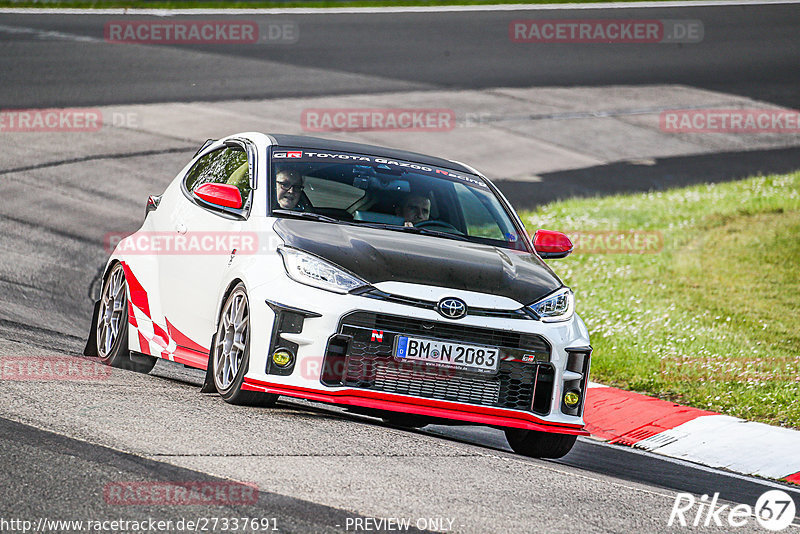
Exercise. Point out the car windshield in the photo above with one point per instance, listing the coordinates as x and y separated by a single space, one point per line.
392 194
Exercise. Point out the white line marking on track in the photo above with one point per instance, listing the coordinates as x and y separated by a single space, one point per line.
48 34
701 467
397 9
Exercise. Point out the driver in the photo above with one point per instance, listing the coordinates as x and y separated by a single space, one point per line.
289 188
415 209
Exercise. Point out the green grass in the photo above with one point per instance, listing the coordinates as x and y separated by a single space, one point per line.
712 320
188 4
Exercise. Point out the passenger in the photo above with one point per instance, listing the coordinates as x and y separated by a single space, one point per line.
415 209
289 188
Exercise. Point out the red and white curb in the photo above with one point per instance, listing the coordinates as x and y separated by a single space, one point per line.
699 436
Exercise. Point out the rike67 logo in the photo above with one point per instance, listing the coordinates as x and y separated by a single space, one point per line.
774 510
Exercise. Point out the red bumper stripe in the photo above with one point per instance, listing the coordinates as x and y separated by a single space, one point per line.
429 407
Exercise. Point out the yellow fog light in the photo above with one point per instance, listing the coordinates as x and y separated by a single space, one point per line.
572 398
282 357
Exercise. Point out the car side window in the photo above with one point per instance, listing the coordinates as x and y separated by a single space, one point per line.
224 166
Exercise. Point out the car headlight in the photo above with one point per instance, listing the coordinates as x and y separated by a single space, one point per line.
313 271
558 306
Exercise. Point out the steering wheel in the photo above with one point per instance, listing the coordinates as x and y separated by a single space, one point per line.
440 224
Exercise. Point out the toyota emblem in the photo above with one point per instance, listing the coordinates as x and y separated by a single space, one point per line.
452 308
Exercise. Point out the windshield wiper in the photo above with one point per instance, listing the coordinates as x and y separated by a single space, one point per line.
306 215
412 229
424 231
437 233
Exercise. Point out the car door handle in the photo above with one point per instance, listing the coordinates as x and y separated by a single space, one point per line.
180 228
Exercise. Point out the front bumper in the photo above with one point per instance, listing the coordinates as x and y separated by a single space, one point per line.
417 406
344 356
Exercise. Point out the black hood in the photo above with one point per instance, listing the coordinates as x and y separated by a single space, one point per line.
378 255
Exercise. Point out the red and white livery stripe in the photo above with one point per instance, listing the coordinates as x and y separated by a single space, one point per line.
149 337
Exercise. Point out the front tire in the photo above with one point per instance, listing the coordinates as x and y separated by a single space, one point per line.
230 354
111 326
539 444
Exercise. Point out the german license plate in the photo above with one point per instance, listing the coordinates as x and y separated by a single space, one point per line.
443 353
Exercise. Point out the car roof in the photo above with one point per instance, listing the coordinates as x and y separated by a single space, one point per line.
302 141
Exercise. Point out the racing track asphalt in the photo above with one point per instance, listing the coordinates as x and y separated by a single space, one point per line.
749 50
39 465
314 465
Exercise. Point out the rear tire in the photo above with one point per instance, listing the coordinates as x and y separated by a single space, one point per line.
230 353
539 444
111 326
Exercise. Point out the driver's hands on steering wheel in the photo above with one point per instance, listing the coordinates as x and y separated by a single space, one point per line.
440 224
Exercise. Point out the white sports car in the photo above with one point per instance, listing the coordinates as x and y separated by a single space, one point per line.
399 285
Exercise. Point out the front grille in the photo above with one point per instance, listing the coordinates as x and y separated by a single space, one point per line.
368 363
449 331
427 384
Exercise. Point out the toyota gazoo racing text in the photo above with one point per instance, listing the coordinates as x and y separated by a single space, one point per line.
398 285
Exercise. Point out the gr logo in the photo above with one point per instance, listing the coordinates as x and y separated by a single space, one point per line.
288 155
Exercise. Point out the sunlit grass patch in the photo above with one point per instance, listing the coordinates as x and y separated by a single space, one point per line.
712 319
